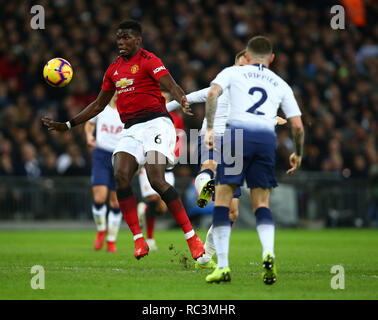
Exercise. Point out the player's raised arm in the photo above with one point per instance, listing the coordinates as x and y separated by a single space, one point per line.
211 103
175 90
92 110
211 106
193 97
298 137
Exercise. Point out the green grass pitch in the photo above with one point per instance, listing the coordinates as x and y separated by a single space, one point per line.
73 270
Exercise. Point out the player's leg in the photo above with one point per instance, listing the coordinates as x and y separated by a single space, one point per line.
265 230
264 219
153 202
99 209
229 175
260 178
156 176
234 210
101 177
154 205
125 166
147 213
204 182
222 231
114 221
206 261
158 207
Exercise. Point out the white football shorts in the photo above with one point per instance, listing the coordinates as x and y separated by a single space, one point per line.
157 134
145 186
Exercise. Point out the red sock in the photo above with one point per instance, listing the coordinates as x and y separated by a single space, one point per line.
150 226
128 206
177 209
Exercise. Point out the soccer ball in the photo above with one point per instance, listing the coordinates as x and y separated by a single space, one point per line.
58 72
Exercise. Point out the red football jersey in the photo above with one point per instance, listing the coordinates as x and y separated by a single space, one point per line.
137 85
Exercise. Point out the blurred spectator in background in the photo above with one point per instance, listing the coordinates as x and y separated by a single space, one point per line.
373 182
71 162
31 164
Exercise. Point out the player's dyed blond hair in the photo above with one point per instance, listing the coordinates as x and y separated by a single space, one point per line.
239 54
260 47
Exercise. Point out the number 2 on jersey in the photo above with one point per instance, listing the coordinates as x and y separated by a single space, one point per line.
263 98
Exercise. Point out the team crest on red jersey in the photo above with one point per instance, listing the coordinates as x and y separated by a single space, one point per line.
134 69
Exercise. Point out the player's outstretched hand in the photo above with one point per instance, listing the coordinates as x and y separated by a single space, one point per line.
209 139
185 106
295 162
187 110
280 121
53 125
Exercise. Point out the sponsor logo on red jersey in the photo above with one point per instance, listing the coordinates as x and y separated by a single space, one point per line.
124 82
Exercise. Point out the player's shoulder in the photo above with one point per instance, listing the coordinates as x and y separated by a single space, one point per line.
280 81
231 69
228 71
146 55
115 61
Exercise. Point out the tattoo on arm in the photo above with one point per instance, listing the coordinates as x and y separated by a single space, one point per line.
211 105
298 142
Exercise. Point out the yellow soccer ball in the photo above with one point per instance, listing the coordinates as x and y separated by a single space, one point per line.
58 72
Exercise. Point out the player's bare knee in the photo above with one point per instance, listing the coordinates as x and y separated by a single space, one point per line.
158 184
99 198
260 205
161 207
209 164
122 179
113 203
152 197
100 194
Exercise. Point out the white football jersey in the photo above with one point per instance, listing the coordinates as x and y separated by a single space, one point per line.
255 94
221 114
108 127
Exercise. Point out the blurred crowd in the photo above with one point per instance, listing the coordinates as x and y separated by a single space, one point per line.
334 73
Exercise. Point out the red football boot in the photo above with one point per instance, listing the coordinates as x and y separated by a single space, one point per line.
99 241
141 248
196 246
110 246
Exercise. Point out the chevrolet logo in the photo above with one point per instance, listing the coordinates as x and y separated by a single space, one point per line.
124 82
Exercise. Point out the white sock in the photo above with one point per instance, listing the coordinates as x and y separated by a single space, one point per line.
209 247
222 240
99 216
266 235
114 221
137 236
201 180
189 234
209 243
